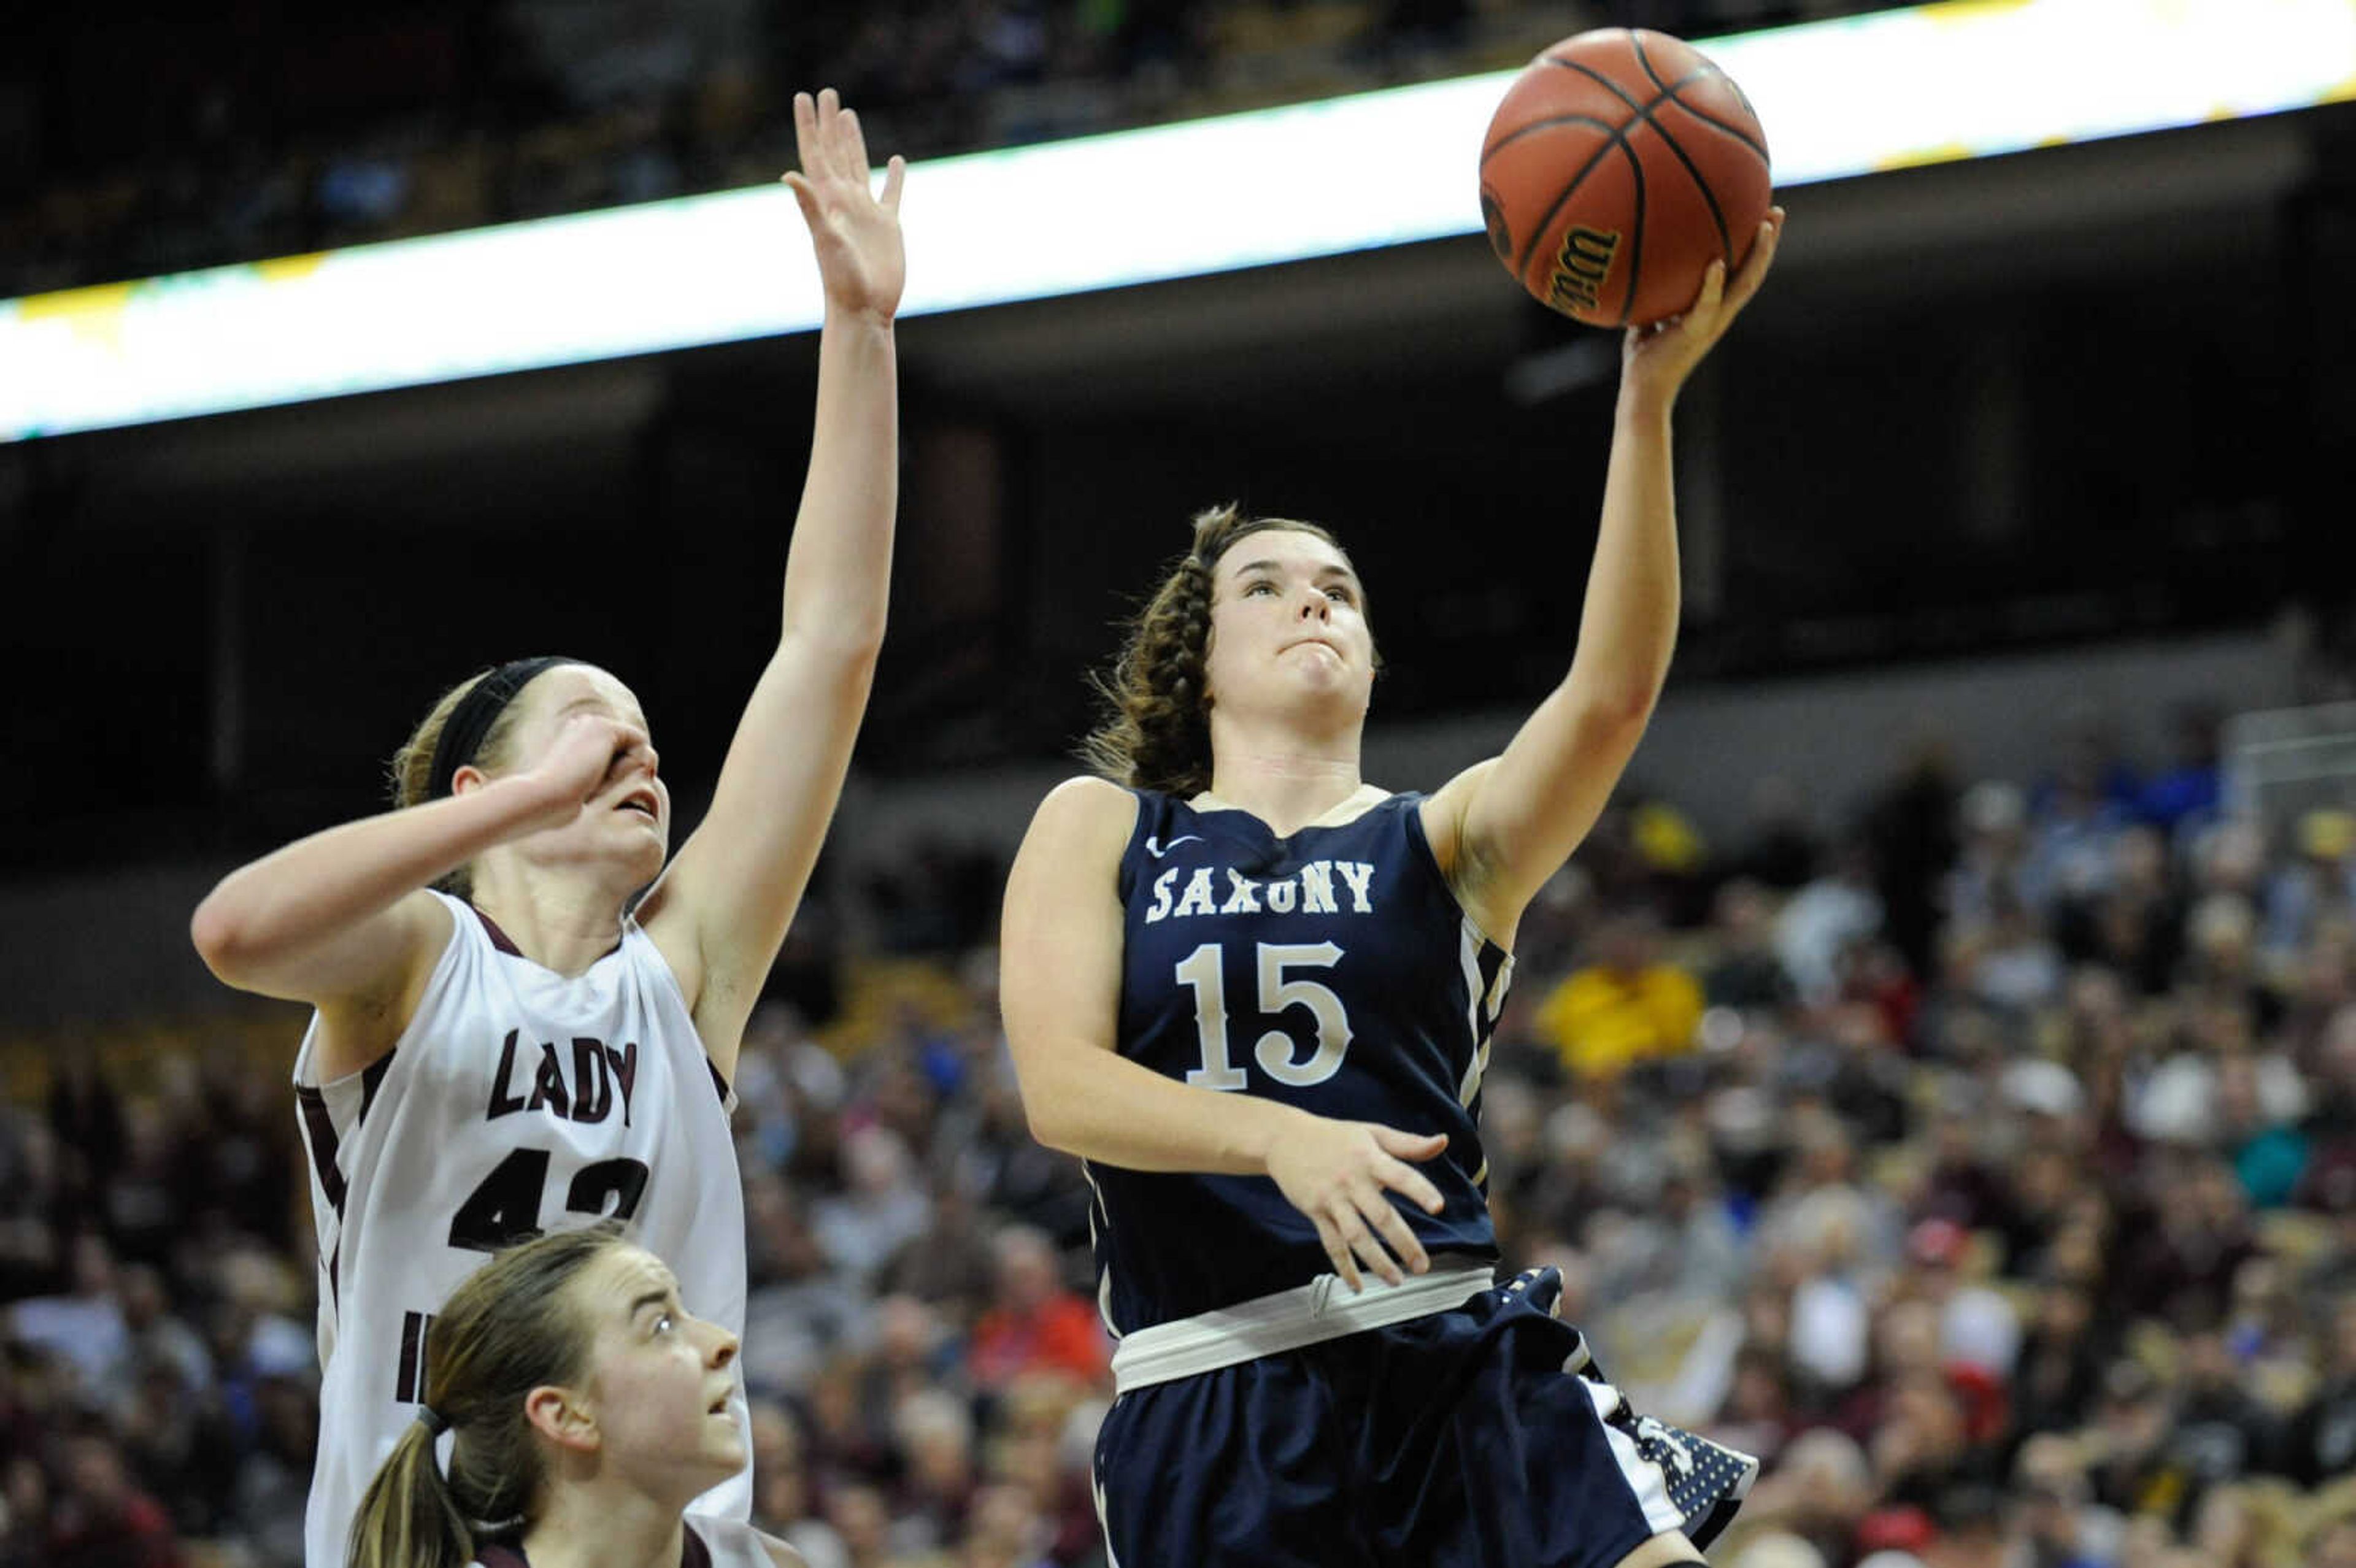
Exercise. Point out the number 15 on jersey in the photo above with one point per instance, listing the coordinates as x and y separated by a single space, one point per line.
1279 1052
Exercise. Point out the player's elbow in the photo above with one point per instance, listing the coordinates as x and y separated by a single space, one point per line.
1043 1133
1616 712
858 644
1048 1129
235 939
222 938
1046 1112
847 639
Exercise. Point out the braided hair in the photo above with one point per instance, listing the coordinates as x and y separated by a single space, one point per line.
1156 729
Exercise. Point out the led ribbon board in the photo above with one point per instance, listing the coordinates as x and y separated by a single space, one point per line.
1850 96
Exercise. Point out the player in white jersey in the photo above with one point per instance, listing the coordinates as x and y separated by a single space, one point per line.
525 1019
585 1406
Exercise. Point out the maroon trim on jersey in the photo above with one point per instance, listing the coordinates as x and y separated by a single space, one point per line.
506 943
371 1076
693 1552
322 1127
499 938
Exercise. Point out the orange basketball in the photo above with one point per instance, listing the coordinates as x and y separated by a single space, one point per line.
1619 166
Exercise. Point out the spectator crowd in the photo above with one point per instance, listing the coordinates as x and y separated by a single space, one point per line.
129 151
1986 1165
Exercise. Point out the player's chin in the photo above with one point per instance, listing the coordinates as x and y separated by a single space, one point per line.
1335 688
727 1453
643 849
1323 671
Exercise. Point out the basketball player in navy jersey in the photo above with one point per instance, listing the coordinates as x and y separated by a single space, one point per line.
1255 993
526 1010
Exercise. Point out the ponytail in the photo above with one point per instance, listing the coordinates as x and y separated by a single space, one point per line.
407 1518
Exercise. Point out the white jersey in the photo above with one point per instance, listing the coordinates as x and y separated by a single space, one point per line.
516 1101
706 1541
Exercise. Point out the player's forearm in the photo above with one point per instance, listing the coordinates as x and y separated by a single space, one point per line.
839 567
316 889
1104 1107
1628 625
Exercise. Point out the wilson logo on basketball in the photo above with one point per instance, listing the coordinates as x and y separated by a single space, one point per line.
1580 267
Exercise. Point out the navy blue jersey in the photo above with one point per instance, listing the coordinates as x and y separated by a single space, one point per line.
1333 970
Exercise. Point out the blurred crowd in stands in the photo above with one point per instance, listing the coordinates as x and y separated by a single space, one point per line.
1985 1162
133 145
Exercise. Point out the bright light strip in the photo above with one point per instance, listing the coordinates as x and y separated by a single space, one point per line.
1852 96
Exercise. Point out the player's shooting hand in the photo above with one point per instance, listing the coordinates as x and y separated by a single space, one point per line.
1658 358
1342 1174
855 232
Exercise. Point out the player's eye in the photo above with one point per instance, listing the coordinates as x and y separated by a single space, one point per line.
664 1323
1262 586
1341 595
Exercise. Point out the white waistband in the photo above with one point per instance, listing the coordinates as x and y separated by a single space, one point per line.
1307 1315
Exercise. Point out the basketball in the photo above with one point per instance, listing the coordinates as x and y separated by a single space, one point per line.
1620 164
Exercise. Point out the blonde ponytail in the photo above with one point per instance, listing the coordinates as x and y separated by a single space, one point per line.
407 1518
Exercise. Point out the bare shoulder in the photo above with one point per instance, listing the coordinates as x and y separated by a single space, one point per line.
1072 847
1084 812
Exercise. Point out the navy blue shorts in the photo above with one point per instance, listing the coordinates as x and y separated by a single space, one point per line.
1455 1440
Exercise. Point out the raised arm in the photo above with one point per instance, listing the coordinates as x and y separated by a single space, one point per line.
1060 949
1502 827
720 911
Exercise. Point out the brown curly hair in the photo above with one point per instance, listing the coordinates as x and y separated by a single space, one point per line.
1156 730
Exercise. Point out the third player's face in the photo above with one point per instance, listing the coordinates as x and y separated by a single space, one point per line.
660 1382
1288 621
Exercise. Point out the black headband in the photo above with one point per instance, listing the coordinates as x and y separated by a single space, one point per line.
476 711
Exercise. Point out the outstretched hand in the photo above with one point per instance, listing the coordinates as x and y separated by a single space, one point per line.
855 232
1660 357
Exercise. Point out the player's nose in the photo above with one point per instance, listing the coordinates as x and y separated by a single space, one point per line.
723 1345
